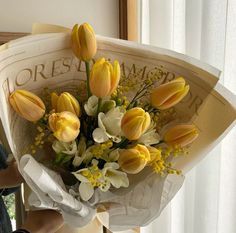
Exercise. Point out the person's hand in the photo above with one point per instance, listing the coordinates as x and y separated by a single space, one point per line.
10 177
43 221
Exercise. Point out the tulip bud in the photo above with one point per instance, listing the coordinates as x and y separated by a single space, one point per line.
104 78
169 94
64 125
83 42
65 102
134 160
27 105
135 122
181 135
155 154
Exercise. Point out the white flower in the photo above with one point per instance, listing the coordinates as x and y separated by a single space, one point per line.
116 178
109 126
91 105
113 155
86 189
88 155
80 155
69 148
150 137
109 175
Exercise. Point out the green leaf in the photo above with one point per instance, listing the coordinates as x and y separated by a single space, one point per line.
59 158
66 159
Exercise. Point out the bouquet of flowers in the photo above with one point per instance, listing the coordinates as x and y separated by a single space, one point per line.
102 135
109 141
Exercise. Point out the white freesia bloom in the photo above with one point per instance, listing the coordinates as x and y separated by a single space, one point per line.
109 175
88 155
86 189
80 155
116 178
150 137
69 148
114 155
91 105
109 126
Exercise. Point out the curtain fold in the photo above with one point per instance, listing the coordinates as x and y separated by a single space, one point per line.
204 29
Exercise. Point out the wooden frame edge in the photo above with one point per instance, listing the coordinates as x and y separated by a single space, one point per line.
123 20
7 36
128 20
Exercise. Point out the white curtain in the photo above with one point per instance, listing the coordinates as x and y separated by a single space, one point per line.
204 29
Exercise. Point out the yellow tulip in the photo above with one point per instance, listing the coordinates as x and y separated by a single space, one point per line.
83 42
64 125
104 78
169 94
65 102
155 154
27 105
134 160
180 135
135 122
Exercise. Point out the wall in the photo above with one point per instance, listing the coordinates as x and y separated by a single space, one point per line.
18 16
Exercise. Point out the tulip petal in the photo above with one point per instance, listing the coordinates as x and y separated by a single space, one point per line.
115 76
185 140
134 160
135 122
32 97
75 43
166 91
104 78
100 84
181 135
87 40
74 102
169 94
54 99
67 102
65 126
27 108
64 104
132 129
175 98
146 122
130 115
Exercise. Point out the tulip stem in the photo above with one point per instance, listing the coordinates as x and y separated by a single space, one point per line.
123 143
99 105
139 94
88 75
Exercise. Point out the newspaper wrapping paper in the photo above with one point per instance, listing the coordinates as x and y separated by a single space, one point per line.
39 61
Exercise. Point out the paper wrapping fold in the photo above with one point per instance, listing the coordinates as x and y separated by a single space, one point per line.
49 191
39 61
